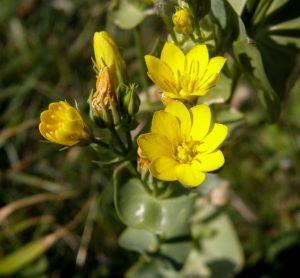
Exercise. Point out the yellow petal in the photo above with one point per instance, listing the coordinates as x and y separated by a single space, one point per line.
173 56
214 138
209 81
160 74
212 74
209 161
45 132
201 117
64 137
163 168
188 175
73 114
48 117
166 124
179 110
154 145
56 106
172 95
103 50
216 64
197 60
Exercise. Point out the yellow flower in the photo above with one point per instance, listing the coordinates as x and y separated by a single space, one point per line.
63 124
184 77
183 144
183 21
107 54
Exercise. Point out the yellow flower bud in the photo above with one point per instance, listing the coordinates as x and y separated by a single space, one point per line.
107 54
183 21
103 102
63 124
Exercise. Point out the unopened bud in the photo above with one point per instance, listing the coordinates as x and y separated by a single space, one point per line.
131 101
107 54
183 21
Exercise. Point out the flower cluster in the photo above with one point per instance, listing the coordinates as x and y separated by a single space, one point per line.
183 143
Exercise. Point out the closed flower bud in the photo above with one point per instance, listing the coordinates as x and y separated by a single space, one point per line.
63 124
103 102
183 21
107 54
131 101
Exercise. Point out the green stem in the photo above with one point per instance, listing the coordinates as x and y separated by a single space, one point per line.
129 140
170 28
105 145
154 187
140 55
117 137
193 38
146 187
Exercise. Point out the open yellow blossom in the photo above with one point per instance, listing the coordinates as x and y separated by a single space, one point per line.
184 77
183 144
63 124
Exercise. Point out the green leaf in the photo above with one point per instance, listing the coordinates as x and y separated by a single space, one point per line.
126 15
21 257
251 63
220 250
139 209
274 28
228 116
38 269
199 7
224 22
152 268
177 251
220 93
218 9
237 5
138 240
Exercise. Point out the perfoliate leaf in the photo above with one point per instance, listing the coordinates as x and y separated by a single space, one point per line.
126 15
219 248
153 268
177 251
138 240
141 210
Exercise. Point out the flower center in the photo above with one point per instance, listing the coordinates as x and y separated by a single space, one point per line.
186 151
189 83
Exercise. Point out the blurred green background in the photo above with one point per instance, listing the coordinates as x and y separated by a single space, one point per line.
45 56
